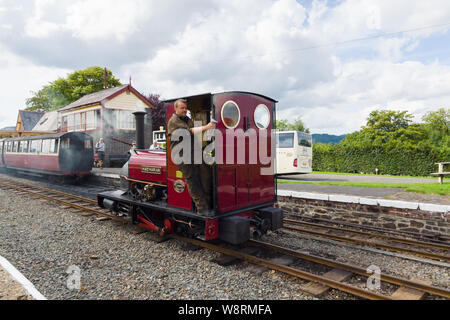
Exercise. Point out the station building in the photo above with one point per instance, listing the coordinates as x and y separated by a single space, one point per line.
108 114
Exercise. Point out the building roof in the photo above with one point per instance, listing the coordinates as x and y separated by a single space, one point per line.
107 94
8 129
48 122
30 119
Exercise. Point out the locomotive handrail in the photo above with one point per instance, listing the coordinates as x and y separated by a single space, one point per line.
146 182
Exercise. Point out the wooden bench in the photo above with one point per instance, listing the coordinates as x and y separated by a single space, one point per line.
441 173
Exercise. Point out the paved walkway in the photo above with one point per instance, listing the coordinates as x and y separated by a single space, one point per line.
13 284
10 289
316 177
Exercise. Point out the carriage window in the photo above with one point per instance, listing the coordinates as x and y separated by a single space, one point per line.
45 146
230 115
53 146
15 144
35 146
262 116
65 143
24 147
88 144
285 140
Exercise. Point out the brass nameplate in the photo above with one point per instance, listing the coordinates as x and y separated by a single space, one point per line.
151 170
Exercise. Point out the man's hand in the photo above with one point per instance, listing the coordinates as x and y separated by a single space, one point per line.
210 126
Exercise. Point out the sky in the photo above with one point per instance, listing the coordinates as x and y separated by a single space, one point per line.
329 62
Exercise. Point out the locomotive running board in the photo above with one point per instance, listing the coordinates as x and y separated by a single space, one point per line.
119 195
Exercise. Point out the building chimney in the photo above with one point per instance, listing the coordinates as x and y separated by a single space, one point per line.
140 137
105 79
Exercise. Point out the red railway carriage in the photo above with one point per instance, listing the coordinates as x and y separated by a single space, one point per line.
237 167
62 154
1 153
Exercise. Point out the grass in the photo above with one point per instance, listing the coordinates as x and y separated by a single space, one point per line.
425 188
369 175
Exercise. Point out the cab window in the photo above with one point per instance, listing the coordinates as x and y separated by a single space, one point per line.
231 114
262 116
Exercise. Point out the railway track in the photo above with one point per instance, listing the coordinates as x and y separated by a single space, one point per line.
88 207
325 280
402 245
441 239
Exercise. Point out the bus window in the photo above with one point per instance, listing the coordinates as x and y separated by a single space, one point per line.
304 140
285 140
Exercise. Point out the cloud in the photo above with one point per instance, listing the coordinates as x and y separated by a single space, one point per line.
18 77
297 54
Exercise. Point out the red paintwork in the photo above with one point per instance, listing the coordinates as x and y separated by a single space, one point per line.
148 225
242 185
32 161
148 158
211 229
178 200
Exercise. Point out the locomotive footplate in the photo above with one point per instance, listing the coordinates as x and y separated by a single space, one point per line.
231 227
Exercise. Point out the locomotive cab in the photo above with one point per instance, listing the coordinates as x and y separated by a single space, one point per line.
236 164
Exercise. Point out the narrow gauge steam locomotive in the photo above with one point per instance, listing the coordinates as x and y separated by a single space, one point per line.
243 197
59 154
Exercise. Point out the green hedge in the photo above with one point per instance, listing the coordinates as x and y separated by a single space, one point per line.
336 158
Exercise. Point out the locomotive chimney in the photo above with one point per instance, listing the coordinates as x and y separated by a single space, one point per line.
140 138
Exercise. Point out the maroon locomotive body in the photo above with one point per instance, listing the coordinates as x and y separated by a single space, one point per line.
237 167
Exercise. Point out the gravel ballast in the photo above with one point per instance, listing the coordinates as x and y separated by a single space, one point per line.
43 240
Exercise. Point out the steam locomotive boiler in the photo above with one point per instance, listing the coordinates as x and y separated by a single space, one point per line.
237 169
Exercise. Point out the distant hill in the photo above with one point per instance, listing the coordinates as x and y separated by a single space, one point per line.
8 129
327 138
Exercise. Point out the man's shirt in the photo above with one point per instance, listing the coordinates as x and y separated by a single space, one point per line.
100 146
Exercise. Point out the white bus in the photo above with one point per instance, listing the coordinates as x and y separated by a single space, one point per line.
294 152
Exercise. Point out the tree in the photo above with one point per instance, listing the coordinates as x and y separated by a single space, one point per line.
438 121
63 91
388 120
284 125
159 113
